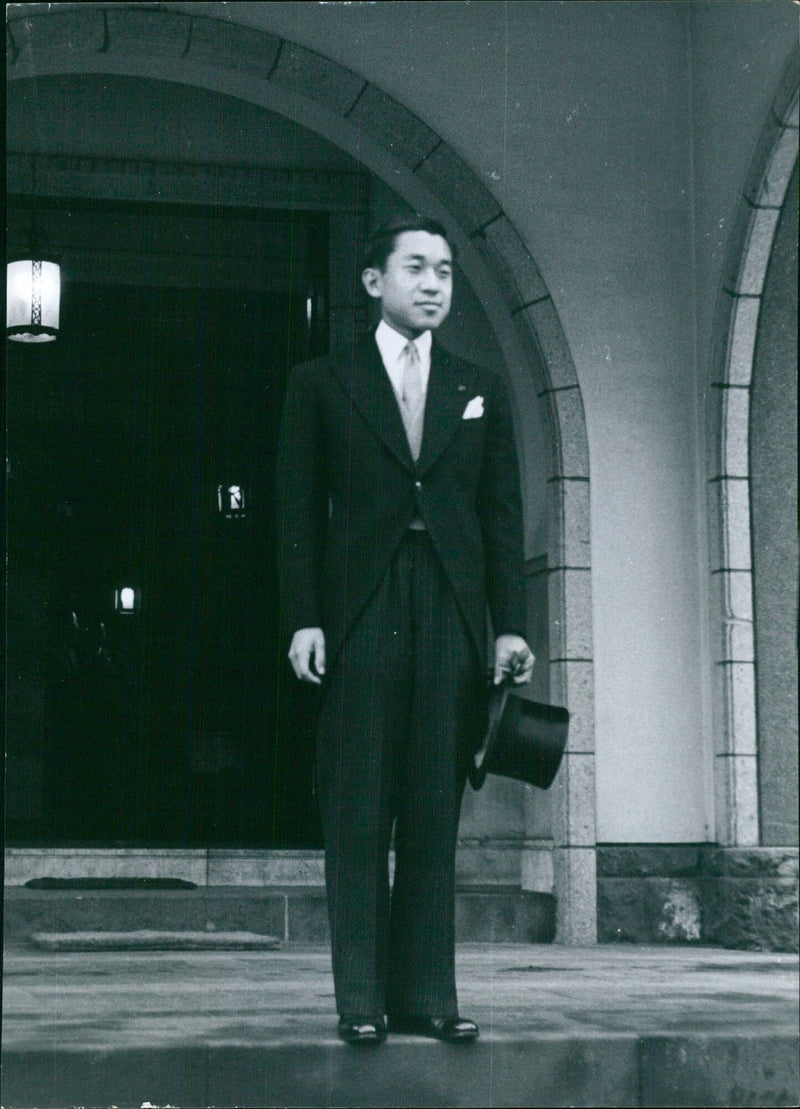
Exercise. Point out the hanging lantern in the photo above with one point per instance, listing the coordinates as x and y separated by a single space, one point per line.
33 298
33 285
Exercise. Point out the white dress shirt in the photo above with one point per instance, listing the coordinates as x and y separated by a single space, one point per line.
391 345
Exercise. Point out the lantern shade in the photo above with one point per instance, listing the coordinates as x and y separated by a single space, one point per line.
33 296
126 600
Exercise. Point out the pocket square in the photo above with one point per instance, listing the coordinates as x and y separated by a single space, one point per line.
474 409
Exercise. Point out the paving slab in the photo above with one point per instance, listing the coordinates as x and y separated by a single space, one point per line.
606 1025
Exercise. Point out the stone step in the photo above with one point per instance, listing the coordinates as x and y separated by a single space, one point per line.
297 914
609 1025
676 1070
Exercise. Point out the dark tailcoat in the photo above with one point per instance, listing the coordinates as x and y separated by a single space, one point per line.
349 489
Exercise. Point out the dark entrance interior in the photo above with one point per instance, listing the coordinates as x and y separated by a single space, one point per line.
141 452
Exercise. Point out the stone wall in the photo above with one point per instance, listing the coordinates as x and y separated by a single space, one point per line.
744 898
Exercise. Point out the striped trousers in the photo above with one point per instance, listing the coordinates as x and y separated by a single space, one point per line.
399 719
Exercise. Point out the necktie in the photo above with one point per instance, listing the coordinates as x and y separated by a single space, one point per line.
412 400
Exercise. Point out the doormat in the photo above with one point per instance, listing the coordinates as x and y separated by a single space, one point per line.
110 884
147 940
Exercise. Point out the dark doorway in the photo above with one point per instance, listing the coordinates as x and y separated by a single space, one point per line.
141 452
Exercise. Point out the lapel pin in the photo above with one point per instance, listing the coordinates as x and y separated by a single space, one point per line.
462 388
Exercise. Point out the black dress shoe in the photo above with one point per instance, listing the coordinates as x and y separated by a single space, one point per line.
453 1030
362 1030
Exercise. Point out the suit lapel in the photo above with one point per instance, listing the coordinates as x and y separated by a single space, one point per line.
449 390
365 379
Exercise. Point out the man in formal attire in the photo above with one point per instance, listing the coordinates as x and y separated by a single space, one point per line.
400 521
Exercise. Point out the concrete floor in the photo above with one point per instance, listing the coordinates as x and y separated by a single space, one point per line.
608 1025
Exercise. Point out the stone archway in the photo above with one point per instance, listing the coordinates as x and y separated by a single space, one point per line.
397 146
736 749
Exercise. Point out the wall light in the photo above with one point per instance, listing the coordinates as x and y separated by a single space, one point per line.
230 499
126 600
33 299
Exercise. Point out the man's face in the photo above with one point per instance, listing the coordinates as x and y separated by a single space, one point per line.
416 286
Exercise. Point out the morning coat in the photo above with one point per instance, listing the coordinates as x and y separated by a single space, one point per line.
348 488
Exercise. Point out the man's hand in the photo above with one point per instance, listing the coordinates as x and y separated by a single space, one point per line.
307 654
513 659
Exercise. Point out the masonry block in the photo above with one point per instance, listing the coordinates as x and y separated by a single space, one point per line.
511 255
743 794
620 911
570 606
264 868
546 324
754 914
576 907
307 916
507 287
649 910
735 503
488 859
723 817
232 46
763 222
155 32
744 325
736 798
737 596
398 129
573 794
720 645
27 911
450 177
753 862
735 431
673 909
55 33
570 449
740 707
25 864
778 150
536 867
572 685
512 916
309 74
568 522
646 860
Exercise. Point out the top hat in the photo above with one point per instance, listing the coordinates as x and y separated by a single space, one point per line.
524 740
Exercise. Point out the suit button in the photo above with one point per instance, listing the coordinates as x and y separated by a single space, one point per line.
417 484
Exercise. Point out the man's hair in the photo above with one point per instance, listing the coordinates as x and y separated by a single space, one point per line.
382 241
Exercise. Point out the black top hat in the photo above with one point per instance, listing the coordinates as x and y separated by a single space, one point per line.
524 740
